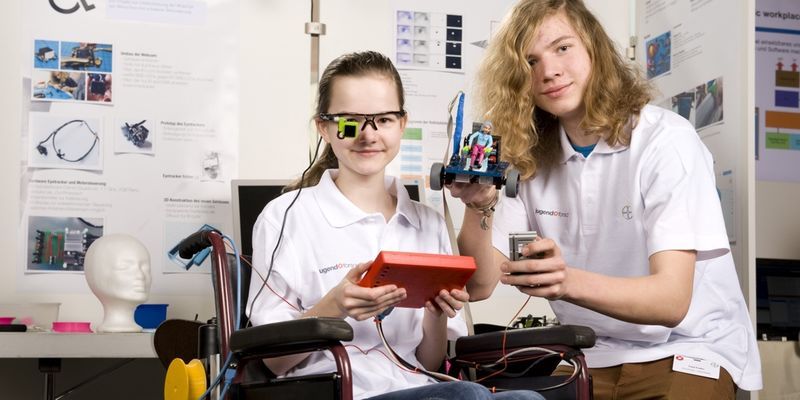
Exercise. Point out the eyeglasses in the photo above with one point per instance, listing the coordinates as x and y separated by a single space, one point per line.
349 123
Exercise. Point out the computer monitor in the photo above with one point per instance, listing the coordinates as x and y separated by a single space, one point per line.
777 298
248 198
415 189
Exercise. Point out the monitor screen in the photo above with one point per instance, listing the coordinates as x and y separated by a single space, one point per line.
777 298
248 198
414 189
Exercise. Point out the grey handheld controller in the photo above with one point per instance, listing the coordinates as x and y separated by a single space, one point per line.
516 241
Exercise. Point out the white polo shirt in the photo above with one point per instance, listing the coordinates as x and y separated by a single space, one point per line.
610 211
325 236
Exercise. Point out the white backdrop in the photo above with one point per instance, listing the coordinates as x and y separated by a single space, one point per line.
274 110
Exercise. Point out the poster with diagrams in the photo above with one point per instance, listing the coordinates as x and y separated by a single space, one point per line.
130 127
683 51
427 39
777 86
437 49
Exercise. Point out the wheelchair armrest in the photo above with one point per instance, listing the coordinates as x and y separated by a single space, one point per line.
289 337
575 336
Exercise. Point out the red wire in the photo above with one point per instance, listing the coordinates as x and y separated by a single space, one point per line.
505 335
265 283
383 354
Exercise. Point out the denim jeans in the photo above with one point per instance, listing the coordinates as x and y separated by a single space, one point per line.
462 390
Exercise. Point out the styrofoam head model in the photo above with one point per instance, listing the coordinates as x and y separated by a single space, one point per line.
117 269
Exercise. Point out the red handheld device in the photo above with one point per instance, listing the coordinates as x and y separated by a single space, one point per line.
422 275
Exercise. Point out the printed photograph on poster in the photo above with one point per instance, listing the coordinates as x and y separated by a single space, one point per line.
136 135
709 103
58 85
404 32
84 75
211 164
701 105
59 244
428 40
404 46
45 54
174 233
65 142
684 105
405 18
659 55
420 60
404 58
98 88
91 57
421 33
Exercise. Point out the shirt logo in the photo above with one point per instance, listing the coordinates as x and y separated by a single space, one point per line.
554 213
338 266
626 212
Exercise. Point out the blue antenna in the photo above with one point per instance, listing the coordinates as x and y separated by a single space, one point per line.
459 125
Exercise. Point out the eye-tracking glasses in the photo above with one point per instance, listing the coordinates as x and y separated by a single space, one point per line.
349 123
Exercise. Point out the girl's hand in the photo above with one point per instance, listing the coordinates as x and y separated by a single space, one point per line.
361 303
448 303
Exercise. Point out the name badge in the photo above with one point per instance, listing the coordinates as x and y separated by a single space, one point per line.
695 366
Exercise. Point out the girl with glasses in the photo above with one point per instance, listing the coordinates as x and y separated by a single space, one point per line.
314 254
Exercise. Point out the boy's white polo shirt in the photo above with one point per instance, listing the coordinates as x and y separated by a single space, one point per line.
325 236
610 211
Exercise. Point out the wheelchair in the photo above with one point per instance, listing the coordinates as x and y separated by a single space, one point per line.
499 358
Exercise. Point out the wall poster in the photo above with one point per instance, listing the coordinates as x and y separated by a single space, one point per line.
131 113
777 90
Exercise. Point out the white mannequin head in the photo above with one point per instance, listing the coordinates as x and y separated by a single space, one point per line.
117 269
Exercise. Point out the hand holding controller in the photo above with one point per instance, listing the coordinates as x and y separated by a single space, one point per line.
517 241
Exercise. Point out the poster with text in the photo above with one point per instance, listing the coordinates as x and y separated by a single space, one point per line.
684 49
777 90
438 48
131 127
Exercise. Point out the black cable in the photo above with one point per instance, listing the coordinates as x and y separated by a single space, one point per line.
43 150
280 234
106 371
91 225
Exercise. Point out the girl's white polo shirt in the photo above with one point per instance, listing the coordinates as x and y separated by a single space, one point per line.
325 236
610 211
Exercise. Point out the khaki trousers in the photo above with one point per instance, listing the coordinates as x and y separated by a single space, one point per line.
655 380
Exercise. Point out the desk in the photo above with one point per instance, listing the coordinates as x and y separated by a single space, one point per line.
76 345
50 347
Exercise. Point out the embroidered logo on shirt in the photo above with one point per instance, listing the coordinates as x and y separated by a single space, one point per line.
554 213
626 212
325 270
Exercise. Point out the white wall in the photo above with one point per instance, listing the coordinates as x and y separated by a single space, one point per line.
275 107
288 101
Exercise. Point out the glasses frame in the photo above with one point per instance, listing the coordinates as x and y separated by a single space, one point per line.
349 129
